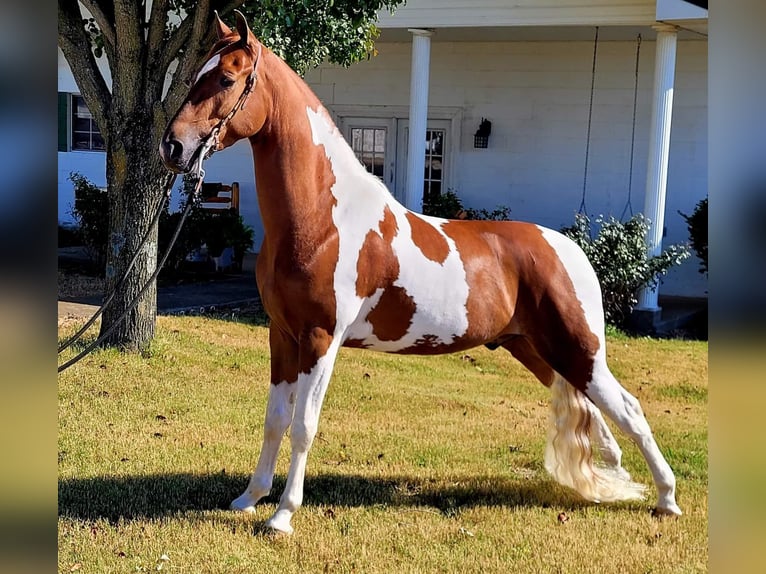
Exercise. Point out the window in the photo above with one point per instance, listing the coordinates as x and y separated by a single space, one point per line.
369 145
434 174
85 133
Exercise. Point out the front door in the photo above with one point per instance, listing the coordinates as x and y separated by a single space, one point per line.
380 144
435 148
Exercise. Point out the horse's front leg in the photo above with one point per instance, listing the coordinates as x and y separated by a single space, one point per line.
317 352
279 413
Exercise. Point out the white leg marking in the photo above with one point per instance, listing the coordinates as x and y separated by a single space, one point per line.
611 453
279 413
604 390
625 410
310 389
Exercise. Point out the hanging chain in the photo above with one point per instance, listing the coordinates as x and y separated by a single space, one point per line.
583 209
628 205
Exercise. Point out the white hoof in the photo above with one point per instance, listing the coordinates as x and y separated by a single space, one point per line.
670 510
244 503
280 522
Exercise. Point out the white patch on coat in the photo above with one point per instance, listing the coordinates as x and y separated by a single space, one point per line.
583 277
211 64
439 290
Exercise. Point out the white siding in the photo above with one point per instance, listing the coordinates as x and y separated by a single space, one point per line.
459 13
536 95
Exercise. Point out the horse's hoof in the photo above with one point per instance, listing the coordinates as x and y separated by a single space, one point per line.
279 523
243 503
673 510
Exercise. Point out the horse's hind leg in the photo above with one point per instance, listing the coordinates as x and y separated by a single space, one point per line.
625 410
611 454
279 414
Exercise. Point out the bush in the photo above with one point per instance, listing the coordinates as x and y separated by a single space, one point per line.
91 206
446 205
449 206
618 255
69 236
697 225
214 230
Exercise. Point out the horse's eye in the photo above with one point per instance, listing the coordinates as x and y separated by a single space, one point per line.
226 82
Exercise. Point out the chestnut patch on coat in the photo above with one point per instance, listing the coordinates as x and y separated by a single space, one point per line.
377 266
388 226
519 286
428 239
392 316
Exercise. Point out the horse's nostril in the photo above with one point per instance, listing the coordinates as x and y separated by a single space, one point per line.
174 149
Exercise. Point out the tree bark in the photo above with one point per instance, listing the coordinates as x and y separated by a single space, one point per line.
135 178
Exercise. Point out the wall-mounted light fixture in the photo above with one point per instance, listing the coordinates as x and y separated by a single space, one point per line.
481 137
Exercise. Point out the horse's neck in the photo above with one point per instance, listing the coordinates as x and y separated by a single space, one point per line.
299 156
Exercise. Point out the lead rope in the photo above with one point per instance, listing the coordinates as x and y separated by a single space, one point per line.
190 203
165 198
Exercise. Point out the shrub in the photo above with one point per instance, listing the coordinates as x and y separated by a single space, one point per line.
91 206
697 226
69 236
446 205
449 206
215 230
618 255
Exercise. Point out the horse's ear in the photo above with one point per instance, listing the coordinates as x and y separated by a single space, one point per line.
242 27
221 29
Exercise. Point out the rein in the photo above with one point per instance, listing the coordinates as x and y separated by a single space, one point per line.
207 149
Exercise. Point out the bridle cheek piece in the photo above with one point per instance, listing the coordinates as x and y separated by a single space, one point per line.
211 143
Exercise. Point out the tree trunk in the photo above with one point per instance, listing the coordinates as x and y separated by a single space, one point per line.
134 177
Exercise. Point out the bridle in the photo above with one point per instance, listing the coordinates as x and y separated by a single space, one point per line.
208 147
210 144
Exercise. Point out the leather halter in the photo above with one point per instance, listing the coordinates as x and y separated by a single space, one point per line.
210 144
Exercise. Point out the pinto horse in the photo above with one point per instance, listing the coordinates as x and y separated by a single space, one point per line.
344 264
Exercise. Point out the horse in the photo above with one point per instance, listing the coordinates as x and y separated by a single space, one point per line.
342 263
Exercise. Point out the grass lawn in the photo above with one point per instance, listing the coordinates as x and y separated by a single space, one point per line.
420 465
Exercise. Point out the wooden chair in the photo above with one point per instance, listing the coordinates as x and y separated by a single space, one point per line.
218 197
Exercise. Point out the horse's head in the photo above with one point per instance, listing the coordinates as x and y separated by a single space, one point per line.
210 115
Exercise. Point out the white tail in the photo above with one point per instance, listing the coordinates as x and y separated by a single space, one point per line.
569 455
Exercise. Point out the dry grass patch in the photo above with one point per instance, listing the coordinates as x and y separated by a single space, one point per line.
421 464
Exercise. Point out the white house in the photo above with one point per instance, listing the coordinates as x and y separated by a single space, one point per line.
563 136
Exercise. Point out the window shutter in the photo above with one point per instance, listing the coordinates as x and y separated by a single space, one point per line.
63 121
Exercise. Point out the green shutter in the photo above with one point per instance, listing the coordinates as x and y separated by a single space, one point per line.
63 121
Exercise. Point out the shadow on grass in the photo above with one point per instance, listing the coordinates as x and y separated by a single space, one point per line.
145 497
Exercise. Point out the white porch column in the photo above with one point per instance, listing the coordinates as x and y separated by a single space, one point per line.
659 147
416 157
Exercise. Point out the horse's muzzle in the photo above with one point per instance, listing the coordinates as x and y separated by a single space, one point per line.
175 155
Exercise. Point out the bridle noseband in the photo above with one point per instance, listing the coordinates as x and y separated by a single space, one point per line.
210 143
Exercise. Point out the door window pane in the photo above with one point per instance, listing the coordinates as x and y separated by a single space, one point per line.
369 145
433 176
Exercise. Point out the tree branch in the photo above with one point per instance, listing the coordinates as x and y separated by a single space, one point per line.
157 21
76 47
105 24
131 46
188 34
